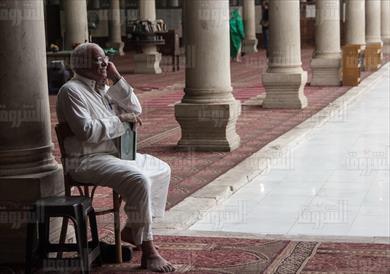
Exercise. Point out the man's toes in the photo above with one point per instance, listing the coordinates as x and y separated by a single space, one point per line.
171 268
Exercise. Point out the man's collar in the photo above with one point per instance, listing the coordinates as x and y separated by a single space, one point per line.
91 83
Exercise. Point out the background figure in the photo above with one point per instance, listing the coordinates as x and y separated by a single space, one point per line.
265 24
237 34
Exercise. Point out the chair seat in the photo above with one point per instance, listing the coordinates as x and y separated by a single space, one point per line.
65 201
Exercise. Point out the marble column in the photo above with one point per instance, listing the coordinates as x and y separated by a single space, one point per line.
326 61
385 25
284 80
208 111
373 22
76 22
115 27
28 170
355 22
148 61
250 42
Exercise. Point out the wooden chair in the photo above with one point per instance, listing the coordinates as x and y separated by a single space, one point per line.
171 48
63 131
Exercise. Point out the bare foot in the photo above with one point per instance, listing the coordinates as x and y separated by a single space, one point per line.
156 263
152 260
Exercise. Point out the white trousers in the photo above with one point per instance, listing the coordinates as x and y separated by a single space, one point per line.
142 184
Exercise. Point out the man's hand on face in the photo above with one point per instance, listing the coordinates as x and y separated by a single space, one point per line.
130 118
112 72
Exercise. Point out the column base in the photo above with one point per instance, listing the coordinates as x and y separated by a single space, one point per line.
285 90
118 46
208 127
148 63
250 46
326 72
17 193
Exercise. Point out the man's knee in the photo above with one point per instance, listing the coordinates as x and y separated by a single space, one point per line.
166 167
139 182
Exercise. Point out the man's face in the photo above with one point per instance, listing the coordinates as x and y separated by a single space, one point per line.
97 70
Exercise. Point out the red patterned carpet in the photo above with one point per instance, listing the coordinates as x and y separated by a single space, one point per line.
256 126
233 255
193 170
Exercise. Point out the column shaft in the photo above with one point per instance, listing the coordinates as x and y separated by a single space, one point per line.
28 170
327 56
285 79
208 112
147 10
355 22
115 27
373 21
250 42
76 24
149 61
385 25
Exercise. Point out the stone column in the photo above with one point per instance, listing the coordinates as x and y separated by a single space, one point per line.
173 3
76 23
115 27
373 21
326 62
208 111
285 79
355 22
149 60
28 170
385 25
250 42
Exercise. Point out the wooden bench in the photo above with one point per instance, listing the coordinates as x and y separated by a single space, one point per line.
373 56
351 64
171 48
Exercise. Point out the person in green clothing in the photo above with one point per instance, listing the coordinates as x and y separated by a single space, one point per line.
237 34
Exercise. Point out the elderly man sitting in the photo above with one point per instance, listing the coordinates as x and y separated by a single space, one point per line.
95 112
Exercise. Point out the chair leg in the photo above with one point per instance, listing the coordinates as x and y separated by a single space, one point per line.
82 239
29 247
64 231
94 233
65 221
117 227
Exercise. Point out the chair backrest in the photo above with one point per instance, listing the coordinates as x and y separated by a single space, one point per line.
172 45
63 131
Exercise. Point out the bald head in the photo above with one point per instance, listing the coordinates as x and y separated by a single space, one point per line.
81 57
87 60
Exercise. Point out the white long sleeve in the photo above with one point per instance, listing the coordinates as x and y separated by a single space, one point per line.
86 128
123 95
90 118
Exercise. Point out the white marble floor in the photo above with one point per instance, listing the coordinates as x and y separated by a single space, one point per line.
334 183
